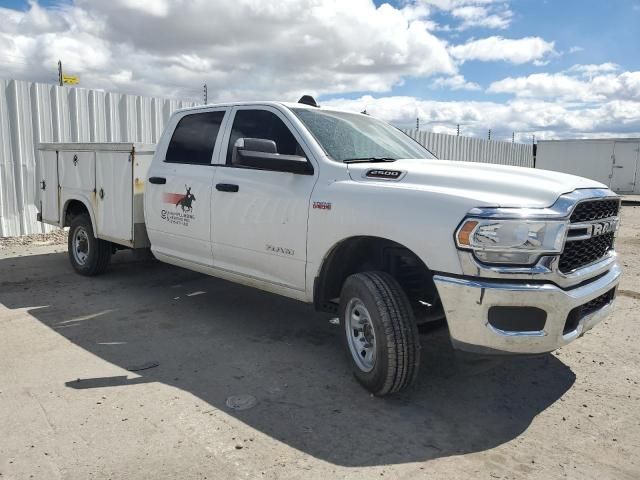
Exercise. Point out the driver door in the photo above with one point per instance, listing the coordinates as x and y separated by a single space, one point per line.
259 223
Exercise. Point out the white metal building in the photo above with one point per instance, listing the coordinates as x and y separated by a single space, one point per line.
612 161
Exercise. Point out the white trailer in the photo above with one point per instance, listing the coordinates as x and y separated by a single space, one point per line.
109 177
612 161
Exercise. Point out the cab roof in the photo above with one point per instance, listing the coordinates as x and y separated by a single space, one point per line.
268 103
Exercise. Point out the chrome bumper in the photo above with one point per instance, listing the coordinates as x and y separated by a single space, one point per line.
467 302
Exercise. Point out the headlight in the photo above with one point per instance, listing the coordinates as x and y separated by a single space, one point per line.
518 242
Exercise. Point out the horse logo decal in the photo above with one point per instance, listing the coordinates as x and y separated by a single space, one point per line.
186 201
180 200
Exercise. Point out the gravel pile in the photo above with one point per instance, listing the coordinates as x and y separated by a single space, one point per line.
57 237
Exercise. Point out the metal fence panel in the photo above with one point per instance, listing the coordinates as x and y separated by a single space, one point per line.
32 112
469 149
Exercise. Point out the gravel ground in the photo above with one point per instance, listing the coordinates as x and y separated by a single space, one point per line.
14 244
138 373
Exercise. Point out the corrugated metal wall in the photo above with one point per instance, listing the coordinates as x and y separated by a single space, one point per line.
469 149
32 113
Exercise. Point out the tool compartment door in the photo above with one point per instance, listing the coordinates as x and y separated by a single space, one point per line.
114 196
49 206
77 170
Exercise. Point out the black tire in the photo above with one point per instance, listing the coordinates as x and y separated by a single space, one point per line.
396 340
96 254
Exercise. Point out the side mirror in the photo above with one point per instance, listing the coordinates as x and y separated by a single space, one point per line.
263 154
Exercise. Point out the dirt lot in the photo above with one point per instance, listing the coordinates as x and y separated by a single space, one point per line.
71 408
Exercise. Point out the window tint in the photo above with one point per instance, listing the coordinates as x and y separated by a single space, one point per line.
194 138
262 124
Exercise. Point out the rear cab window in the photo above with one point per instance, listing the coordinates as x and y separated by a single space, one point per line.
194 138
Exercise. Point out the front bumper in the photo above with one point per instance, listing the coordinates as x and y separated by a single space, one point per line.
467 302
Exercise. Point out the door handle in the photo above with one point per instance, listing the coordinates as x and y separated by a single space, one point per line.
227 187
158 180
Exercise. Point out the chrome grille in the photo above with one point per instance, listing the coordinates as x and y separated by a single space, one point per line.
579 253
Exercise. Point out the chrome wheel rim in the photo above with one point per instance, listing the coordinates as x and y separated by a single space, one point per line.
361 336
80 246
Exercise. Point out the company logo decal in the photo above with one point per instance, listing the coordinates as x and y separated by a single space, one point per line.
182 214
322 205
386 174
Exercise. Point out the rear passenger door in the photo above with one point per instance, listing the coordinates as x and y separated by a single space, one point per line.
178 190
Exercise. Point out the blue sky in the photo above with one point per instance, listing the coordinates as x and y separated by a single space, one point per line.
562 68
603 31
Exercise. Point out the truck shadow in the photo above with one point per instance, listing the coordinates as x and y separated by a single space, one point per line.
215 339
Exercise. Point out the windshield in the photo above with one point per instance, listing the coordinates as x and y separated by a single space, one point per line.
351 136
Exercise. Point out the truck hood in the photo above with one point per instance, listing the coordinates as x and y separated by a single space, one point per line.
485 183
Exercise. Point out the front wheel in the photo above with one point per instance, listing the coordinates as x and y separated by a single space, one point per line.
88 255
379 332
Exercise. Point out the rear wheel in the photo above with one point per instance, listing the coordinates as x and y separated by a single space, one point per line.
379 332
88 255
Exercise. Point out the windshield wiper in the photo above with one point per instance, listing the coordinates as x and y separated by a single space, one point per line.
369 160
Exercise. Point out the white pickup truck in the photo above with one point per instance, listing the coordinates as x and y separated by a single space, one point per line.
348 213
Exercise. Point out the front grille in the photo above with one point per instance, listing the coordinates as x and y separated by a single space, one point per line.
595 210
579 253
583 252
578 313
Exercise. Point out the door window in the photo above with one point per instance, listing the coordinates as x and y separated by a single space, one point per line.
194 138
266 125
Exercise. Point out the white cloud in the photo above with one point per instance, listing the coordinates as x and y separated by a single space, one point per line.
568 87
475 13
455 82
477 16
245 49
451 4
517 51
593 69
279 49
525 117
248 49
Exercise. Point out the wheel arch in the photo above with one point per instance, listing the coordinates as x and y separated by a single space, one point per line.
362 253
77 205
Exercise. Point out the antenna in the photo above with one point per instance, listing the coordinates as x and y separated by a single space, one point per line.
308 100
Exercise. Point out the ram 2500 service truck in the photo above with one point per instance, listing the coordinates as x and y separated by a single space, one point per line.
348 213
